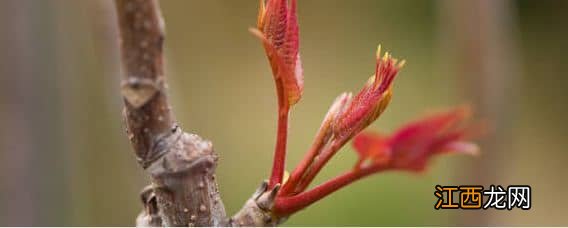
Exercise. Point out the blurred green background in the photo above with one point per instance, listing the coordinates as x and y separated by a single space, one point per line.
65 159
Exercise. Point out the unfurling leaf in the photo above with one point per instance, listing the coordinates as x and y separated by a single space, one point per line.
410 147
277 27
372 100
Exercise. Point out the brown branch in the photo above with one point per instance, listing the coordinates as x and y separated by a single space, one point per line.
182 165
183 191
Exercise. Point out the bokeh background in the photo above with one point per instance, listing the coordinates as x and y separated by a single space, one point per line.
65 158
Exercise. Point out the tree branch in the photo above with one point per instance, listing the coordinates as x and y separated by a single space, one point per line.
183 191
182 165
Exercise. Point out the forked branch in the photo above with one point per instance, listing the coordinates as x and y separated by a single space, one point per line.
182 165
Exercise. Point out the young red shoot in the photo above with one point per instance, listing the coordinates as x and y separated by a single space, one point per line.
277 28
347 117
409 149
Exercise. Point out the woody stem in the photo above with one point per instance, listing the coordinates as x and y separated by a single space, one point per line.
287 205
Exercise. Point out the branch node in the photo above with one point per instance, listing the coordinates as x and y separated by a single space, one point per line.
162 145
138 91
189 153
150 216
266 200
257 211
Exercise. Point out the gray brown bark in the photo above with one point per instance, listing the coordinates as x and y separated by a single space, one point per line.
182 165
183 190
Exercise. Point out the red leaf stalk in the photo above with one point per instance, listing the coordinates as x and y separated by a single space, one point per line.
291 204
277 28
279 162
322 139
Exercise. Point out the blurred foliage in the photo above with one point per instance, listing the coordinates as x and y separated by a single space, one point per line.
81 169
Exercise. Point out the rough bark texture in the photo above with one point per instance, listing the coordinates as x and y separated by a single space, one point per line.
183 190
182 165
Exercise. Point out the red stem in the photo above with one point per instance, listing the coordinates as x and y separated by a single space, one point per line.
280 148
318 164
308 159
290 204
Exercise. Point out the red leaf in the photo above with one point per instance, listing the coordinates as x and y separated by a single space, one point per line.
372 100
412 146
279 31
